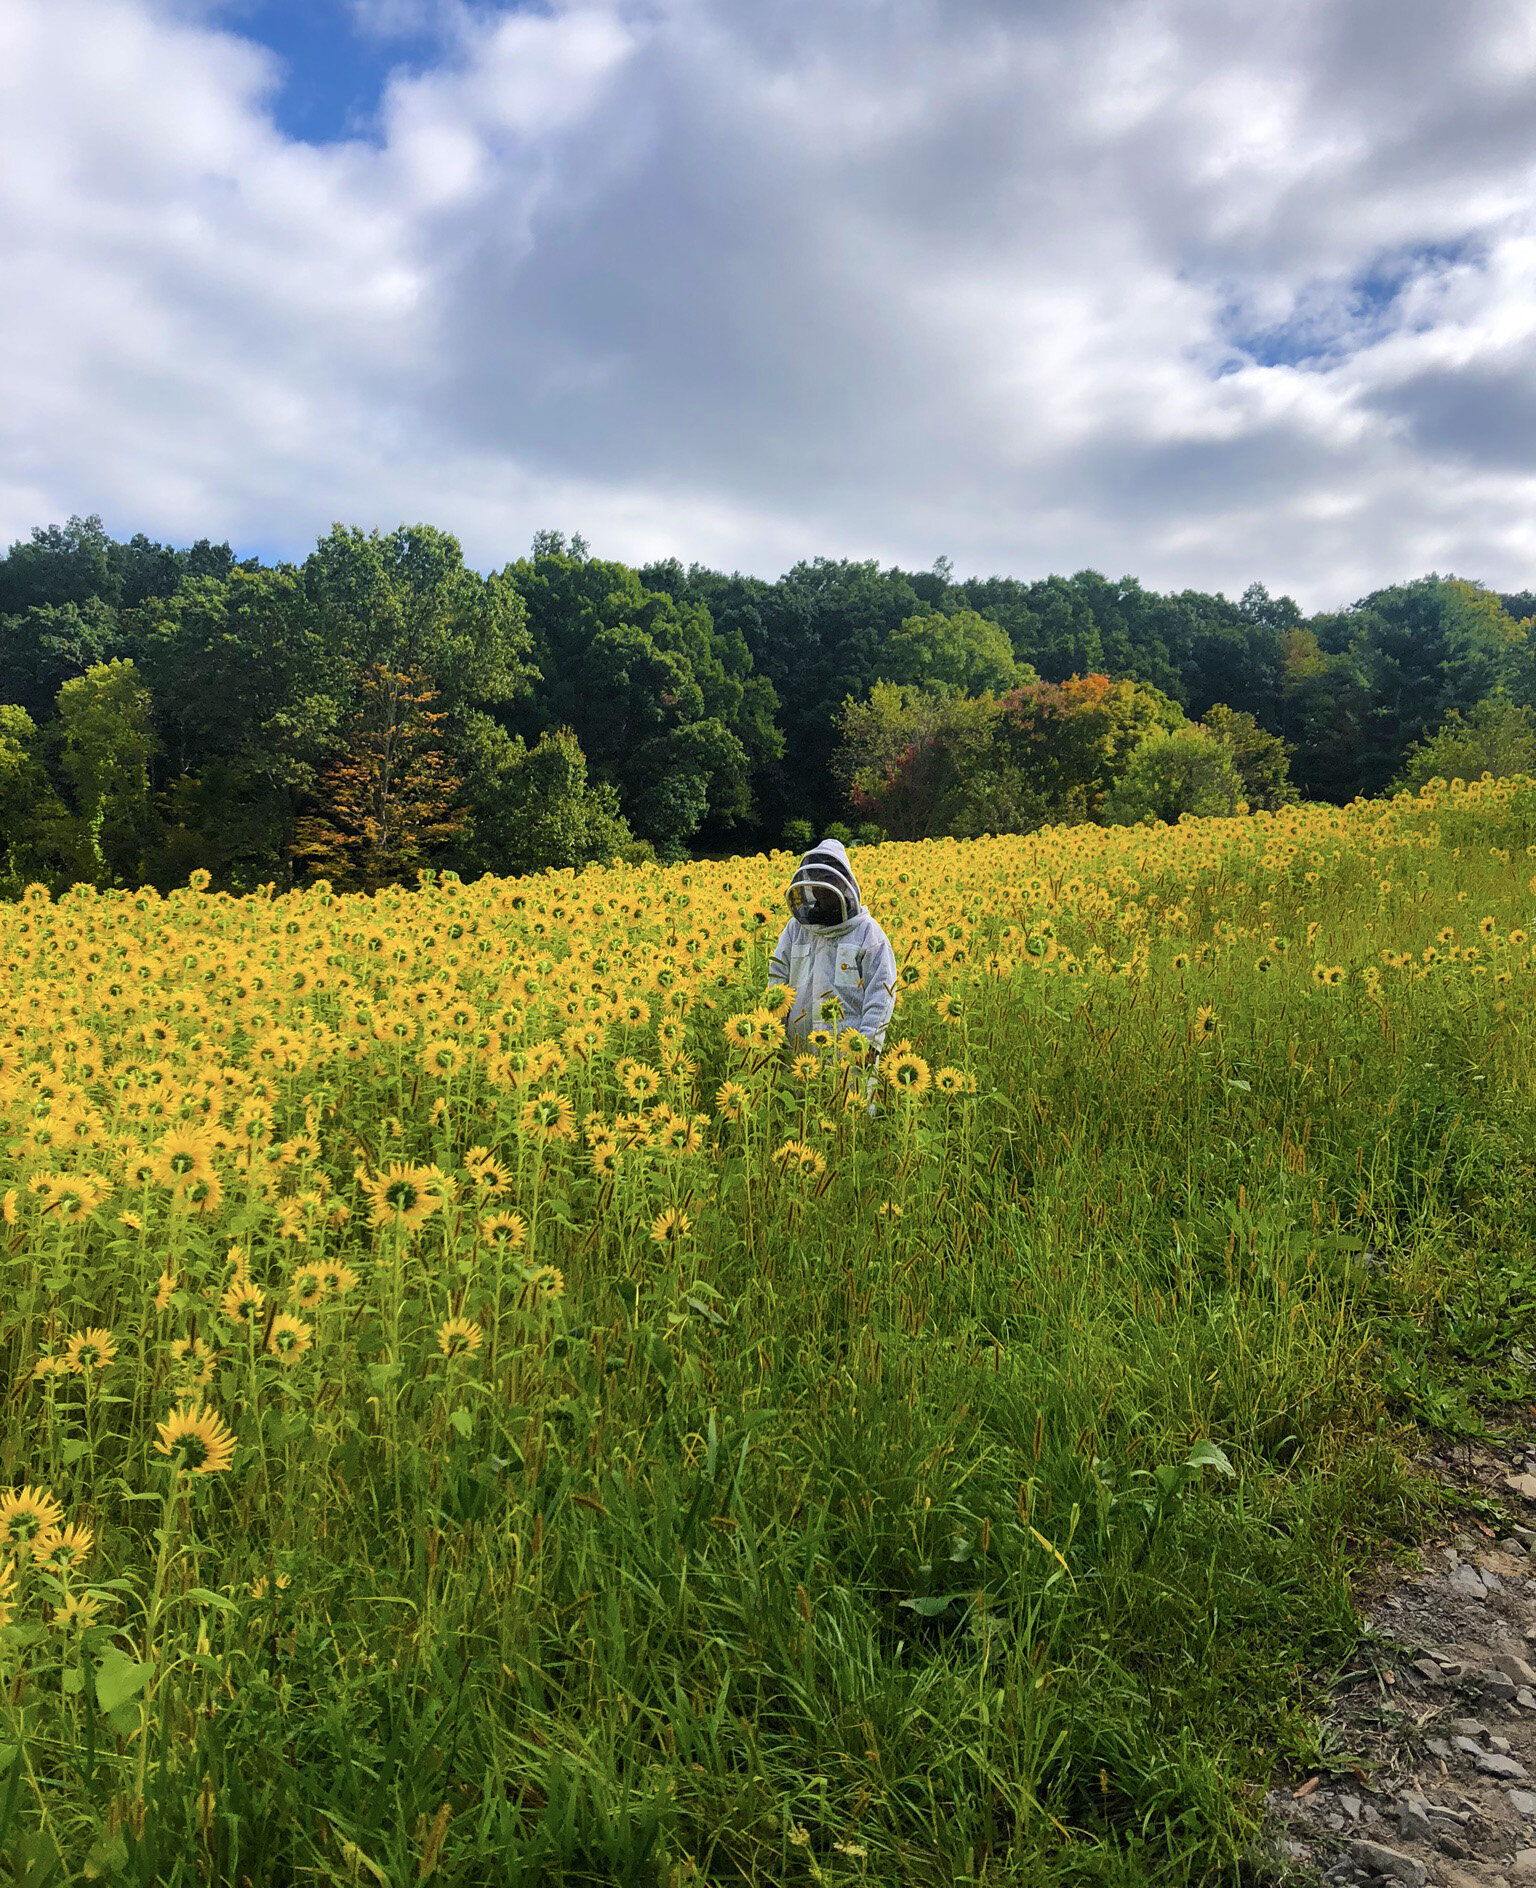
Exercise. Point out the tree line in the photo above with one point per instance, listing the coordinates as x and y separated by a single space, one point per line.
381 707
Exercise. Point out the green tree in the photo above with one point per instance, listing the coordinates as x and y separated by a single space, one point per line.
1261 758
666 708
534 808
105 741
910 757
68 563
1070 741
1497 736
1172 772
44 645
406 601
961 652
34 824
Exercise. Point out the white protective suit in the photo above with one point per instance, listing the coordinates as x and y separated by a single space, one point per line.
849 958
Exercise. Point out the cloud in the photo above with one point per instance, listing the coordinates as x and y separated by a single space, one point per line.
1189 289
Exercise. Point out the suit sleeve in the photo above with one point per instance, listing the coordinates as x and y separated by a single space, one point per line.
778 964
879 988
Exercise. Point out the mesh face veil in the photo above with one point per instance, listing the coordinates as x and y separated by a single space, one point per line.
824 890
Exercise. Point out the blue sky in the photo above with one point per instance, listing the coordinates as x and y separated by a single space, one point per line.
1203 291
334 68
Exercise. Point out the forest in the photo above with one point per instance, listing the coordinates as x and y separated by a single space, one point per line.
383 709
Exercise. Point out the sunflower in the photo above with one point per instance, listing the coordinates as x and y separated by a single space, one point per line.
288 1338
603 1153
507 1230
731 1100
25 1515
669 1227
74 1613
949 1081
778 1000
459 1337
766 1029
906 1072
641 1082
338 1279
804 1067
948 1008
740 1030
89 1350
542 1285
402 1196
72 1196
196 1440
262 1585
1205 1022
306 1288
441 1056
63 1550
797 1157
180 1155
1334 976
242 1302
548 1117
199 1193
193 1361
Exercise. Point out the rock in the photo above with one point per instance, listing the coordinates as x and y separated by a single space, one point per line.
1392 1863
1524 1866
1469 1727
1413 1823
1351 1806
1526 1699
1497 1685
1509 1545
1452 1846
1526 1536
1491 1580
1468 1582
1439 1747
1501 1744
1523 1485
1494 1763
1523 1802
1428 1670
1514 1667
1469 1747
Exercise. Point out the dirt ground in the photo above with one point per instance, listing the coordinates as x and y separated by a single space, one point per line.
1434 1717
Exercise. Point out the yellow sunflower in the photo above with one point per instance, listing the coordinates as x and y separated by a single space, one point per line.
26 1514
196 1440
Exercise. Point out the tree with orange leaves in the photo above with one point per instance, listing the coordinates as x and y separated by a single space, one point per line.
391 795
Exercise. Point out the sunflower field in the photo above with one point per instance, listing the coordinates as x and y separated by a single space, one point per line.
477 1407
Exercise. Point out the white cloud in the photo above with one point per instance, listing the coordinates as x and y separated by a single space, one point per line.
1190 289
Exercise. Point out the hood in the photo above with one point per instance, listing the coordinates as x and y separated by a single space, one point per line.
825 876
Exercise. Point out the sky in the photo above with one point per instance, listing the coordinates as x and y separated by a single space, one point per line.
1203 292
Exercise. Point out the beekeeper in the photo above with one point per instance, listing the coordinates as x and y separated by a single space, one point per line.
832 947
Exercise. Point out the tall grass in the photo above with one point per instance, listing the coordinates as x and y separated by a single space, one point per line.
957 1500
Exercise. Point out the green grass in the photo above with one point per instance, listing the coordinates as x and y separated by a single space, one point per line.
988 1542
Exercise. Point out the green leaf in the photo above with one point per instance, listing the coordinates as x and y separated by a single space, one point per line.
462 1421
119 1678
70 1452
929 1608
208 1597
1205 1454
381 1376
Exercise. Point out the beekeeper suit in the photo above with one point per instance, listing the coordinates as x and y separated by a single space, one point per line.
833 947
